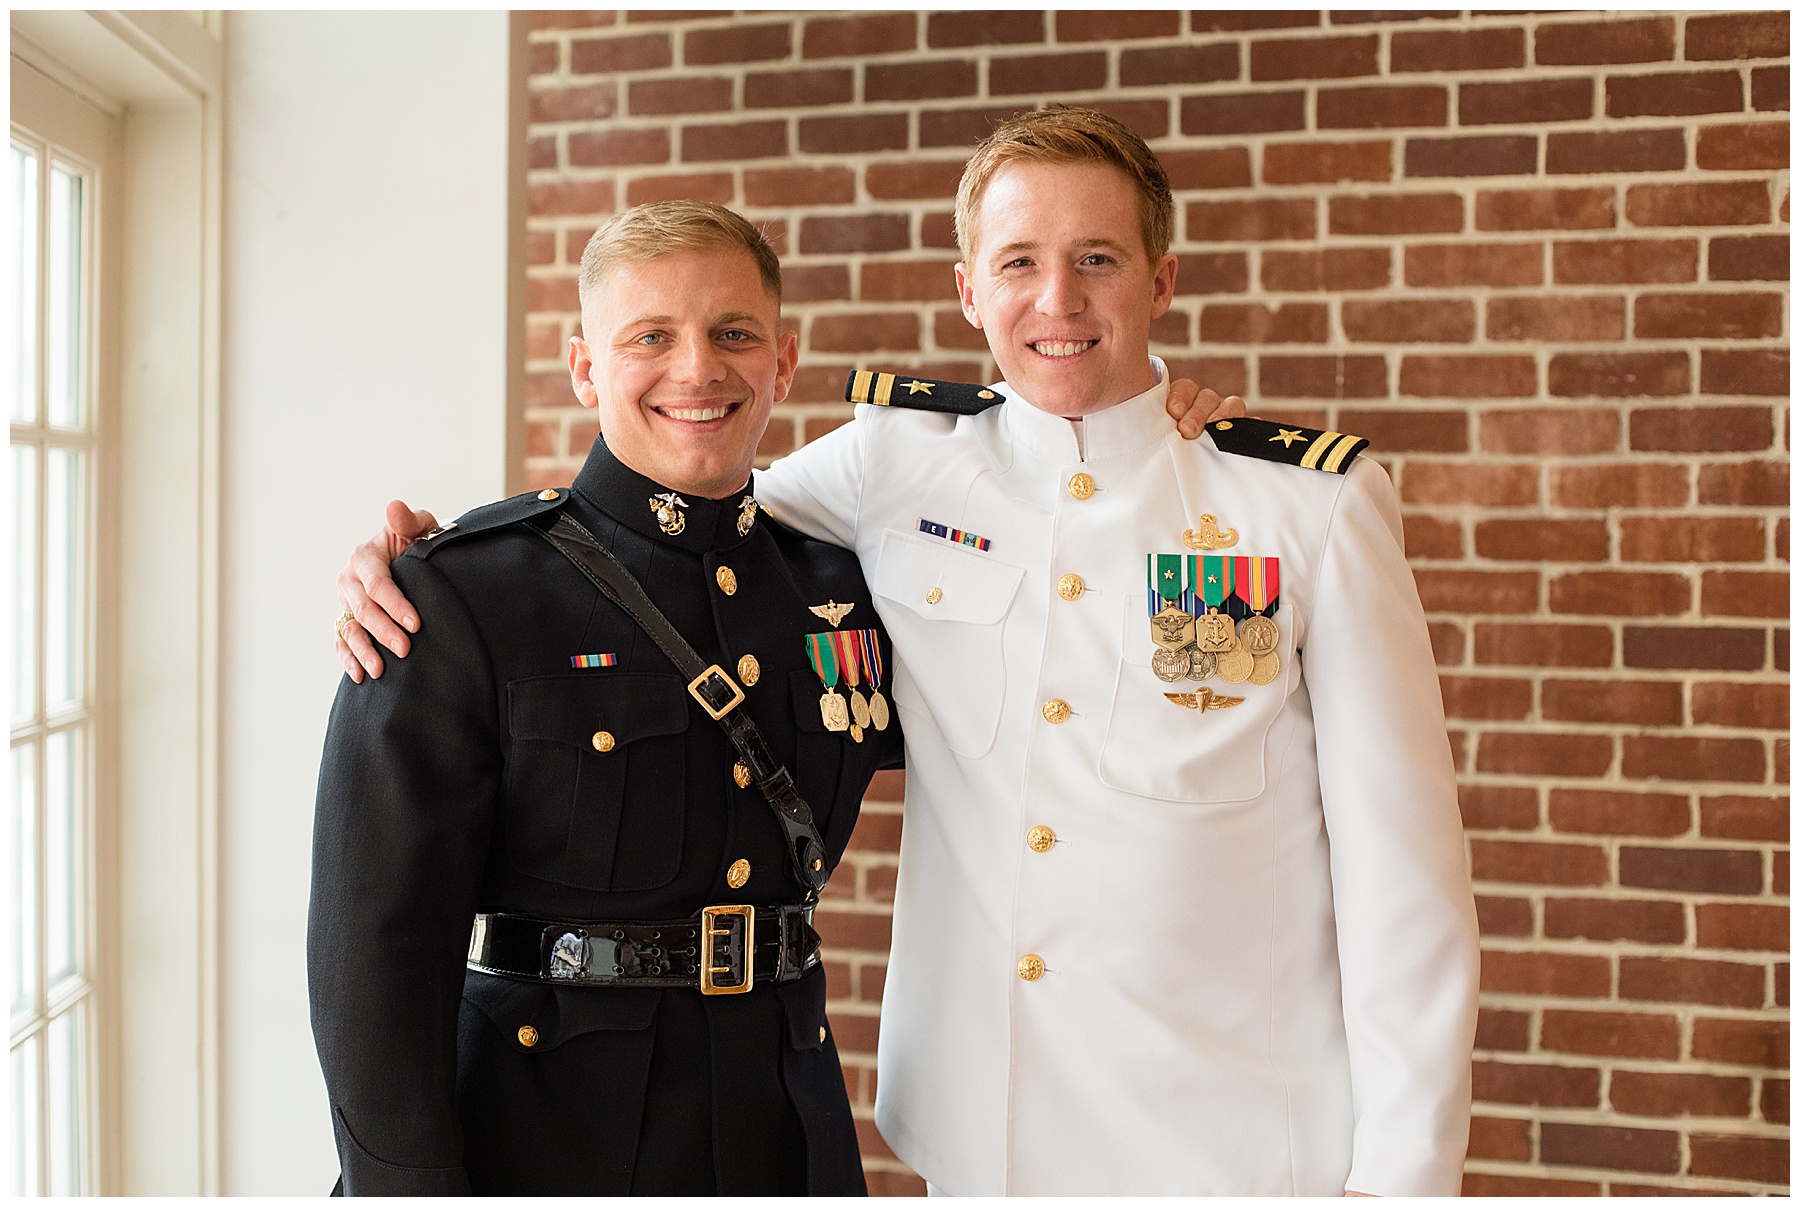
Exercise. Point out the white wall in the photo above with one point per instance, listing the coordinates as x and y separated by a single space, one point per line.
364 358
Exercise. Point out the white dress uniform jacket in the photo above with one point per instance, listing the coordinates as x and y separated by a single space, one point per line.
1256 922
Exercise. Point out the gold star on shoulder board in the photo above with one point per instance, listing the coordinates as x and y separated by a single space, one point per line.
832 611
1288 436
918 387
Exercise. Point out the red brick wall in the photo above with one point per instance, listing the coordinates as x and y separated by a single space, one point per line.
1541 261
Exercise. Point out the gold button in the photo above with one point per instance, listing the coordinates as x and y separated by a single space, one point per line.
1224 425
740 774
1070 587
603 741
1040 838
548 496
727 580
817 864
933 595
1031 967
738 875
1081 486
821 1035
749 669
1056 711
528 1036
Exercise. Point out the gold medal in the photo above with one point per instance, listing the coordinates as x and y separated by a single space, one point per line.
834 712
1202 664
1259 635
859 708
1172 628
1169 665
1215 633
878 709
1266 670
1236 664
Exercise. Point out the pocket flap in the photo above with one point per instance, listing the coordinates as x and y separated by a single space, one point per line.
971 587
558 1014
572 708
806 689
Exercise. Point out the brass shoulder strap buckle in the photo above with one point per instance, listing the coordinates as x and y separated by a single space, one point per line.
715 691
738 973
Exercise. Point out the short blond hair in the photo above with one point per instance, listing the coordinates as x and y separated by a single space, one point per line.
667 228
1067 134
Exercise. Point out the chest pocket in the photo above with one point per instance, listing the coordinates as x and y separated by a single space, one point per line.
1157 748
607 820
944 607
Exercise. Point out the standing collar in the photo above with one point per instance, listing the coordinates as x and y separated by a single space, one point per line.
702 525
1121 428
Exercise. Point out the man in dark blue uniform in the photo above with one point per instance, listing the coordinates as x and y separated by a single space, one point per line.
560 935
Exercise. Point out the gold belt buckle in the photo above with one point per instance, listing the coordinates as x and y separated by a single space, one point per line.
737 693
708 932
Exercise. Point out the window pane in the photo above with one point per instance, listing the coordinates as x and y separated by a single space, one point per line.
24 1071
21 870
62 855
22 276
63 342
24 596
62 581
66 1102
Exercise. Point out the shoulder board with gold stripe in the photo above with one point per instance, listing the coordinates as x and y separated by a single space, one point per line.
1306 447
919 393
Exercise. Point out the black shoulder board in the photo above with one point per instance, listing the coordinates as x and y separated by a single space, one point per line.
1306 447
492 516
919 393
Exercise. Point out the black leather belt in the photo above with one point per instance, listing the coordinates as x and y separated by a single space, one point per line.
725 949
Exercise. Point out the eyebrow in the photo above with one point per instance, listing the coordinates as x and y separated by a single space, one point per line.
1029 245
736 316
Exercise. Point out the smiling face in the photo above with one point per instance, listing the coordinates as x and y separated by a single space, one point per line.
1061 284
684 359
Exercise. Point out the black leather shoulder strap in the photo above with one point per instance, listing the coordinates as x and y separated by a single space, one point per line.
709 685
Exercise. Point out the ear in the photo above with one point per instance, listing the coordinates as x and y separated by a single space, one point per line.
966 293
1162 286
787 359
581 372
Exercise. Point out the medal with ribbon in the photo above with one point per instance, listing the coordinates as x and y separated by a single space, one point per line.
1171 624
822 653
870 645
849 654
1258 587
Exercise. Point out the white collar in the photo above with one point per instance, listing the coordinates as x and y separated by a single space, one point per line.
1121 428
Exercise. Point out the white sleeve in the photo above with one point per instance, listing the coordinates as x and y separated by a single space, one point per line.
817 489
1408 945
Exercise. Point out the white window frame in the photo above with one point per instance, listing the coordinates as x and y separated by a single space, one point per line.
155 590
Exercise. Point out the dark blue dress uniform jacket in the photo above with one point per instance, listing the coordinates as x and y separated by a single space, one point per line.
466 780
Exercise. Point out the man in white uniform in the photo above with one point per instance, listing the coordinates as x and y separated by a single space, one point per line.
1183 905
